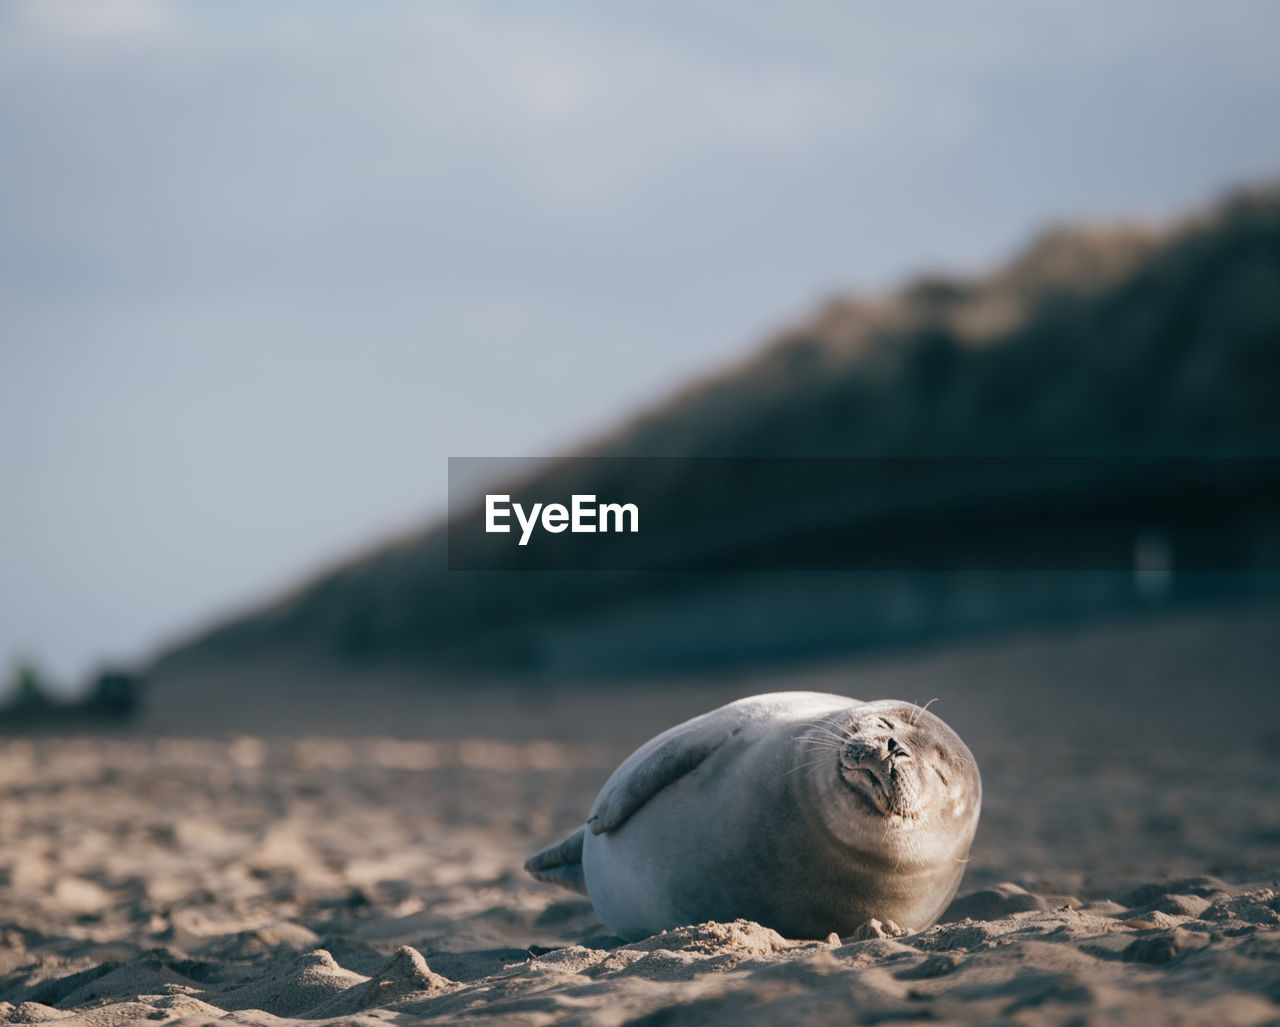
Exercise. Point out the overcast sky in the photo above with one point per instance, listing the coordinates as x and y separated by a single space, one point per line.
263 267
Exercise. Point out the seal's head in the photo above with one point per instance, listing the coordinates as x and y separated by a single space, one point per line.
910 789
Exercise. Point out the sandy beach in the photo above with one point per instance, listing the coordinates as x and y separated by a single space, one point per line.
1125 868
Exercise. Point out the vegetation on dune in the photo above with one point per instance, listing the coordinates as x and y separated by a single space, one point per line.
1094 342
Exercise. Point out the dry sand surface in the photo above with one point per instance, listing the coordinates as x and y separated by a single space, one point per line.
1124 870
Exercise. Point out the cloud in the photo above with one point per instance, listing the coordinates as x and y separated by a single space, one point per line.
186 128
101 23
159 147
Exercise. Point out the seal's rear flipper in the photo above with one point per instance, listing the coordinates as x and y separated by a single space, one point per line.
561 864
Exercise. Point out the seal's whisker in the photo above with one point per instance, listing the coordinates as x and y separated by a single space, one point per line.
833 735
827 739
922 710
802 766
819 743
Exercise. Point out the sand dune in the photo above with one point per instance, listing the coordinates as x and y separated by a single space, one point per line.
1125 869
1093 342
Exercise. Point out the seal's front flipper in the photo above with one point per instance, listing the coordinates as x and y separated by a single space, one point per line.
652 767
561 864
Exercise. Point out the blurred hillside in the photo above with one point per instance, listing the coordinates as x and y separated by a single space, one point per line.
1095 343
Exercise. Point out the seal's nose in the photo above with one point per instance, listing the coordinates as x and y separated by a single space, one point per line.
894 750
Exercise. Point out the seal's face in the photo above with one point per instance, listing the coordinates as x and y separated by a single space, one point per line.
900 793
903 763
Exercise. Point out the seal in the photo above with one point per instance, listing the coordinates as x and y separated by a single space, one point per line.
806 812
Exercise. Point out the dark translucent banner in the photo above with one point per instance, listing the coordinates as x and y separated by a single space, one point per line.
1151 516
